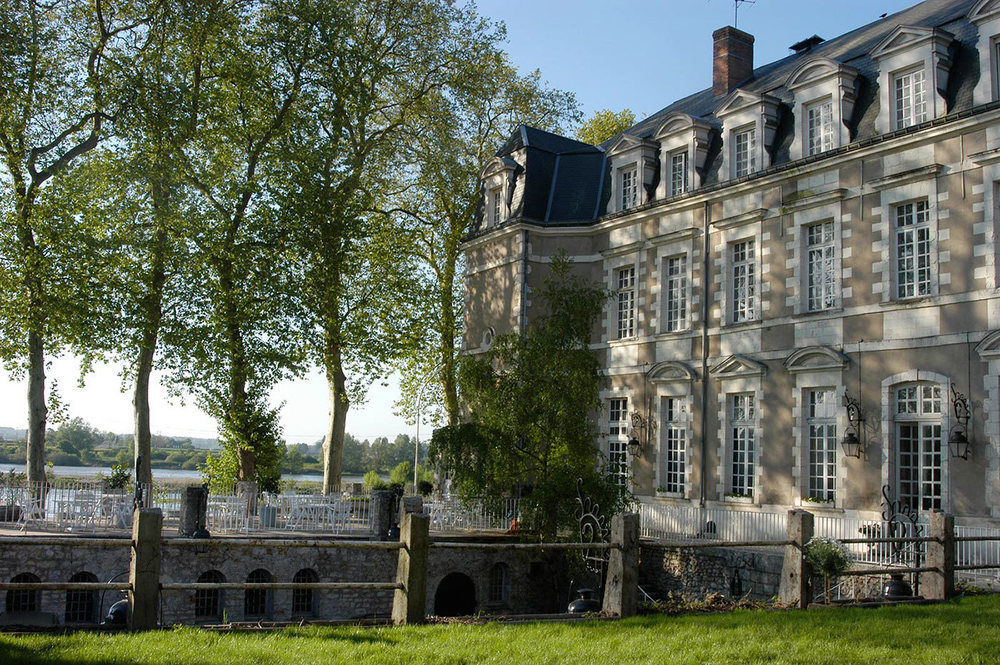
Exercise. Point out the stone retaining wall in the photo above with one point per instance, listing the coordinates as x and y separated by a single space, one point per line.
693 574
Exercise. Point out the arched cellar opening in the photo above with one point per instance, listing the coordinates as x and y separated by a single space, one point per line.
455 596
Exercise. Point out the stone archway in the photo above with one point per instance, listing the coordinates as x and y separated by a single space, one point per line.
455 596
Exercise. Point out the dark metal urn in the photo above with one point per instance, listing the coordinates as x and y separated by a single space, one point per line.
896 588
584 603
117 614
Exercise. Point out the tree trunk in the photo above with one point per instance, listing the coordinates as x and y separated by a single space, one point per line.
333 443
37 411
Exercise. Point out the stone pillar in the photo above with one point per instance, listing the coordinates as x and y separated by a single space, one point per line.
144 571
795 572
940 585
410 602
194 505
621 590
410 505
382 502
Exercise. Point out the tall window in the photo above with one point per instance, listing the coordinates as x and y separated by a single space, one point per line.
821 421
257 602
918 445
675 444
821 274
676 289
678 173
626 301
745 152
499 583
618 440
911 105
913 250
496 197
208 602
303 599
81 605
819 127
629 187
741 444
744 282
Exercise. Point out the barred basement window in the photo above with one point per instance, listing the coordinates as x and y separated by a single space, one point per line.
23 600
81 606
208 602
257 602
913 250
822 425
741 444
303 599
499 583
626 302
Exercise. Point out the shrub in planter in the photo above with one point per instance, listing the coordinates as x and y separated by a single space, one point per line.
829 557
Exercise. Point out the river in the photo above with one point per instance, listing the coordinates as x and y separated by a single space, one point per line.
163 474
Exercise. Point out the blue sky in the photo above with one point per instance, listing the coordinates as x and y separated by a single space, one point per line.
626 54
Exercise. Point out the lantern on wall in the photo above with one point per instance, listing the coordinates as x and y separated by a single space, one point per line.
958 438
852 443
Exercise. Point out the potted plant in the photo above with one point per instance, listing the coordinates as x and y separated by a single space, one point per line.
830 557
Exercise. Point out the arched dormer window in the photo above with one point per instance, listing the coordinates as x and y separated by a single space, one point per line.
986 17
913 66
749 121
824 92
683 147
633 166
498 187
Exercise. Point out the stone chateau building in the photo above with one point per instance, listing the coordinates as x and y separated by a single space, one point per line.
817 232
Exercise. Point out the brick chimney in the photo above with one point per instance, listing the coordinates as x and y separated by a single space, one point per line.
733 59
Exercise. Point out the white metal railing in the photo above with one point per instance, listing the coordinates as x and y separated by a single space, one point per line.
67 505
661 521
978 553
455 515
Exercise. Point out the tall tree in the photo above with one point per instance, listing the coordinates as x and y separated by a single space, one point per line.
248 74
60 85
448 149
604 124
378 63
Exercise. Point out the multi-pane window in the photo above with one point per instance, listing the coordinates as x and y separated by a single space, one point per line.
819 127
81 605
23 600
678 173
303 599
744 152
741 444
913 250
744 281
676 293
499 583
629 181
618 440
675 446
208 602
257 602
821 428
625 277
918 446
496 197
821 273
911 104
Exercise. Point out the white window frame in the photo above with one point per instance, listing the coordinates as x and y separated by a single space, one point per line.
744 297
679 160
818 81
821 406
909 105
618 433
625 301
628 187
916 270
496 205
891 196
924 415
748 164
675 293
903 50
674 448
820 134
742 432
821 255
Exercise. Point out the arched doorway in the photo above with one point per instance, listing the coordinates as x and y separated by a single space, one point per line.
455 596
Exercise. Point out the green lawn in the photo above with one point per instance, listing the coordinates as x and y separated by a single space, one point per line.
965 631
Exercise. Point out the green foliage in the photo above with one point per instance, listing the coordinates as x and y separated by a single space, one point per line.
372 481
256 434
402 473
533 398
120 477
828 556
604 124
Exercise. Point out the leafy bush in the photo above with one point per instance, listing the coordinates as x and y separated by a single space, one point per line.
829 557
372 481
119 478
401 473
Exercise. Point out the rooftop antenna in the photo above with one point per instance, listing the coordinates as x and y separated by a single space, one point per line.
736 10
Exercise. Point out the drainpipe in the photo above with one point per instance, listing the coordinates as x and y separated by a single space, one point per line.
706 293
523 321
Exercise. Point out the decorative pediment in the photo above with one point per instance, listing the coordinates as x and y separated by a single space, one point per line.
739 100
989 348
909 36
628 142
498 165
737 366
669 371
816 358
816 70
677 123
984 10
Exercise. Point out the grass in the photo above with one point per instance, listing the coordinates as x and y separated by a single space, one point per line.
964 631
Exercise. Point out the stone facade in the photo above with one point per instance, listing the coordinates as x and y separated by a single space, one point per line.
693 574
761 285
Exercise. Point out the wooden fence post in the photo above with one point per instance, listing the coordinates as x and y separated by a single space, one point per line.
940 585
144 570
795 572
410 602
621 590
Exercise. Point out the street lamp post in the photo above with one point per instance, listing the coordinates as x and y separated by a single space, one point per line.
416 444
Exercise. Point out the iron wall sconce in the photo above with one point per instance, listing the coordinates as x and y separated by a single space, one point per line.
958 437
852 444
643 426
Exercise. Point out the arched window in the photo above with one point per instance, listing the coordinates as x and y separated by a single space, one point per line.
208 602
303 599
23 600
81 605
499 583
257 602
917 415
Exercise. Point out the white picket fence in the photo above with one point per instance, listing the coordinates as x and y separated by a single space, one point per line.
660 522
454 515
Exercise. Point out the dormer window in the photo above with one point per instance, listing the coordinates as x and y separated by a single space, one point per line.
986 17
744 151
627 178
496 198
824 92
819 127
683 148
498 181
910 101
678 172
914 64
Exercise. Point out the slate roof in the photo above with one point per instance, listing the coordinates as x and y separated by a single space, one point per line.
571 176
